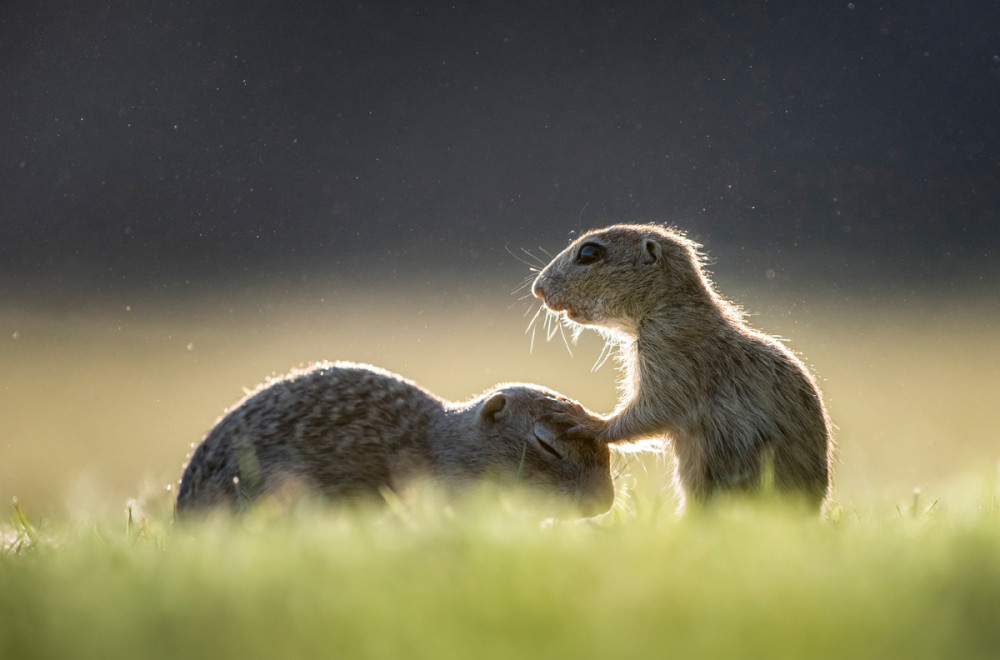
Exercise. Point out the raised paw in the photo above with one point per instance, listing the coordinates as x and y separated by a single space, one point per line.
571 421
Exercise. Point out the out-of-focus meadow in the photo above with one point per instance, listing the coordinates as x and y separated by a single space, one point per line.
102 399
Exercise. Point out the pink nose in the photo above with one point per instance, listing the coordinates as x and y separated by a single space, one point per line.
538 291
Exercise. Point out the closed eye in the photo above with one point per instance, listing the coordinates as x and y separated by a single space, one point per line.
549 448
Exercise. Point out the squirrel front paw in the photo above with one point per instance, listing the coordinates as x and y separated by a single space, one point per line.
571 421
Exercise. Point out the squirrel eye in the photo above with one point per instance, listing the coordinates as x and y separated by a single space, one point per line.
589 253
547 447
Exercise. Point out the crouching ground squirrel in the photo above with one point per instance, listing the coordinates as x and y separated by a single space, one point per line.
738 407
348 430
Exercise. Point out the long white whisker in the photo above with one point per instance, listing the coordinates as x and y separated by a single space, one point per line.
531 324
520 286
553 327
606 352
565 341
600 359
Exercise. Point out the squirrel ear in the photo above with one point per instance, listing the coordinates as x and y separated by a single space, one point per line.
493 407
650 252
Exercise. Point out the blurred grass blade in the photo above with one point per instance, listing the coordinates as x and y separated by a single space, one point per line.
22 520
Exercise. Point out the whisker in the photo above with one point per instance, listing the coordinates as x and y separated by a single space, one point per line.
520 298
546 252
622 472
538 261
534 318
565 341
526 263
516 301
523 284
606 352
553 327
599 362
533 267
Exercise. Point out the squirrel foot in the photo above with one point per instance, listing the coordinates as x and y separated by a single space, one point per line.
572 421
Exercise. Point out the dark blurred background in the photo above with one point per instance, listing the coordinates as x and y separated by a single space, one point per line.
195 194
178 145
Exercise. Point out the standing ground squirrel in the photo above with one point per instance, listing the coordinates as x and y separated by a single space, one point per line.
343 430
738 407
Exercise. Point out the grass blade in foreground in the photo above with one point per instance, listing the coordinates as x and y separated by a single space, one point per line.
743 582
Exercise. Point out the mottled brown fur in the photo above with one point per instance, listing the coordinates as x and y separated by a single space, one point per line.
738 407
348 430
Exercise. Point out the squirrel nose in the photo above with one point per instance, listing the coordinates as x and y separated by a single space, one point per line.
538 291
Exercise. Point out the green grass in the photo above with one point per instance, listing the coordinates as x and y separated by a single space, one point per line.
102 400
424 581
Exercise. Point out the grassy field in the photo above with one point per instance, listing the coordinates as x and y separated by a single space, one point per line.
424 582
101 400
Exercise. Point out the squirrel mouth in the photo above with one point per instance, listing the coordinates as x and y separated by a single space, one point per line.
558 307
578 315
562 308
565 310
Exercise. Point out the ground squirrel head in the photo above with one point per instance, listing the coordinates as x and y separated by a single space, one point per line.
523 446
616 276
